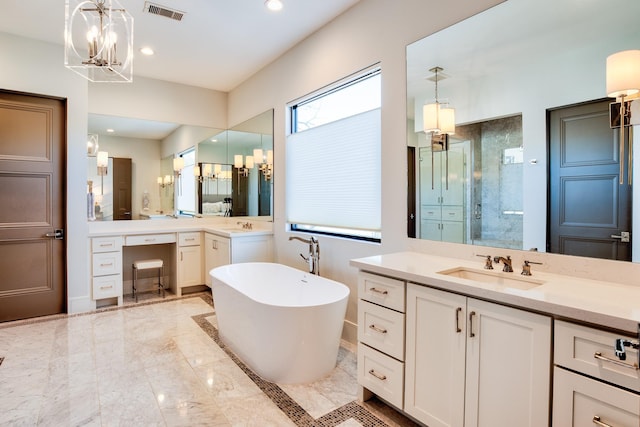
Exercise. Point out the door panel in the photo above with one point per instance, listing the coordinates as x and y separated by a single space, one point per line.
587 205
32 171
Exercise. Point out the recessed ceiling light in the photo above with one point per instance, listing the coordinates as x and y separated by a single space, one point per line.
110 130
273 4
147 51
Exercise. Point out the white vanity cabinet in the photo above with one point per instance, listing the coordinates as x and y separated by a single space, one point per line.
106 268
189 263
240 247
381 337
475 363
217 252
591 385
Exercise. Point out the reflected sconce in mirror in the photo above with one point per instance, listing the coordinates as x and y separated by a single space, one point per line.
264 164
102 161
439 121
623 83
243 168
92 144
165 182
178 165
99 40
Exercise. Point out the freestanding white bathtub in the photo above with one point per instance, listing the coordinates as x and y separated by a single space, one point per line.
285 324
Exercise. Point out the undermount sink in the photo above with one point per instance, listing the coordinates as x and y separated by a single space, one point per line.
498 278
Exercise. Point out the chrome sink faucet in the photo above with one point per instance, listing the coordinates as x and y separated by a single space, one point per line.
314 253
506 261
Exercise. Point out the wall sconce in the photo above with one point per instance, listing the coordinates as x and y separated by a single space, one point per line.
102 162
99 40
439 120
623 82
243 168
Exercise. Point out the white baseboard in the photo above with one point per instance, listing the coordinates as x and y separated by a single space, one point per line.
350 332
80 304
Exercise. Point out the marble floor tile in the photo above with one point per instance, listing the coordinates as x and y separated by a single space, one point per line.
159 362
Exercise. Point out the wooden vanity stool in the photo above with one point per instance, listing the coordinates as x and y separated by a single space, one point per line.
148 264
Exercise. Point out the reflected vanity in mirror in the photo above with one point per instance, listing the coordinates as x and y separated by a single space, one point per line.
490 183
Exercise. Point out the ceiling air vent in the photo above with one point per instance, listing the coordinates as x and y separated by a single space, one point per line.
156 9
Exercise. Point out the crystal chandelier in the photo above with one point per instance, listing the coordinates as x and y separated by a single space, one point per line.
99 40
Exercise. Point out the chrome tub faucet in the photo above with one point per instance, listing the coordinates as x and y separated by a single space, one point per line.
313 258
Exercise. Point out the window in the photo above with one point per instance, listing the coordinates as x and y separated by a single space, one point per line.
333 160
186 185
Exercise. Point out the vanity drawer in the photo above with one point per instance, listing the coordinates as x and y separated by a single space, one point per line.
106 244
381 328
580 401
381 290
189 239
107 286
150 239
107 263
452 213
381 374
576 348
430 212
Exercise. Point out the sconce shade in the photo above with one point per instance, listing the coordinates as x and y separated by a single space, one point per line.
258 155
102 159
447 121
270 157
92 144
160 180
178 164
623 73
249 162
196 171
99 40
217 168
207 169
237 161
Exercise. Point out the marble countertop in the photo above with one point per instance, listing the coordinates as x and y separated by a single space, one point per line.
610 305
225 227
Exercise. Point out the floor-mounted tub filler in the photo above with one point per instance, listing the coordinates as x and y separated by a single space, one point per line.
285 324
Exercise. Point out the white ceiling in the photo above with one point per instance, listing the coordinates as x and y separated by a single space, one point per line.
217 45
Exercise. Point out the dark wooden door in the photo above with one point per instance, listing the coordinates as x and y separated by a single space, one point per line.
240 194
264 194
32 206
587 205
121 188
411 192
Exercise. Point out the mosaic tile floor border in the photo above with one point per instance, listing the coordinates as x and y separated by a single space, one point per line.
288 405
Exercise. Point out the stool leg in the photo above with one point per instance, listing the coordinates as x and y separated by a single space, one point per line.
135 276
160 280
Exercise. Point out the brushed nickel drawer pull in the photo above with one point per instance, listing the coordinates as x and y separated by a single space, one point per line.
106 287
107 265
458 311
378 291
599 356
378 329
377 375
596 421
106 245
149 240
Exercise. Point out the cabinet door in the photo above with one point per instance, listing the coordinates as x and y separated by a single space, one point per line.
454 190
216 253
435 356
453 231
430 183
430 230
189 266
580 401
508 366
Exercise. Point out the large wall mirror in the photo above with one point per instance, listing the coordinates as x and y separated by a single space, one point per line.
508 73
215 187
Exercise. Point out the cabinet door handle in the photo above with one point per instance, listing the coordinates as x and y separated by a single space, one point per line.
471 315
180 255
458 311
596 421
599 356
377 375
378 329
378 291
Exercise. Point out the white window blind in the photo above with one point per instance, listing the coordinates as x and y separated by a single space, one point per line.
333 174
